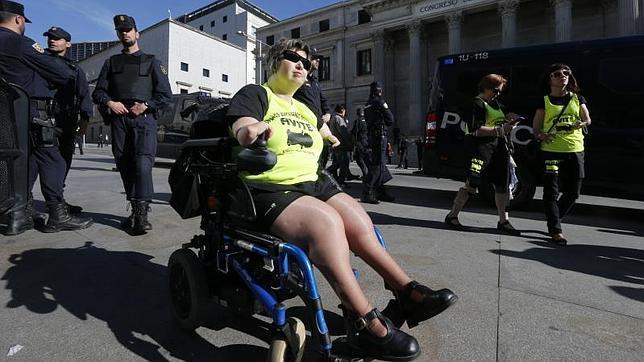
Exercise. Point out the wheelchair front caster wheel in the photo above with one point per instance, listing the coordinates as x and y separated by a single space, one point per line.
281 351
188 289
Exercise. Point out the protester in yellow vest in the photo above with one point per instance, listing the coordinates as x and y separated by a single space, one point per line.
308 209
559 123
489 146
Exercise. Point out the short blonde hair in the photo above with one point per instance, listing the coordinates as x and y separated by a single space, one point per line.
491 81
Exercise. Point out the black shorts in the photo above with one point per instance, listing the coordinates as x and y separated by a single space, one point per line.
271 200
491 162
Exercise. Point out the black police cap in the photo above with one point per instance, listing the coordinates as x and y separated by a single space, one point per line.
13 8
124 22
57 33
315 54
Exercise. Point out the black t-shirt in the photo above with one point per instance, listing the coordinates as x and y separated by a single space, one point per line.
559 101
251 101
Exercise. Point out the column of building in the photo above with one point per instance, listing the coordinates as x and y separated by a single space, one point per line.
379 56
454 21
508 12
415 123
628 12
563 19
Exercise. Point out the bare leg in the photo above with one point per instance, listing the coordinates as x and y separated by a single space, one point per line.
363 241
501 201
318 228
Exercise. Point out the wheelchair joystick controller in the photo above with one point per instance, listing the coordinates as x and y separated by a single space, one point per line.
256 158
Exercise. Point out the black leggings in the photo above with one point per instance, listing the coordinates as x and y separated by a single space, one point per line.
563 173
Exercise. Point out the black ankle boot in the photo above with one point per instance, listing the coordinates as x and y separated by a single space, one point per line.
404 308
74 209
60 219
396 345
128 223
369 196
382 195
141 224
18 221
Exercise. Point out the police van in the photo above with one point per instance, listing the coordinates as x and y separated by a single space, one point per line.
611 76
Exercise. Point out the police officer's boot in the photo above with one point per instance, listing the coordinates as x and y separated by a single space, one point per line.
129 222
60 219
382 195
39 218
141 224
18 221
369 196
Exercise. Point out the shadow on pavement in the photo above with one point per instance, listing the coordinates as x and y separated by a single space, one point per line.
621 264
124 289
78 168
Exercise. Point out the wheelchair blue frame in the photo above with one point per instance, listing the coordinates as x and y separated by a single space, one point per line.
284 253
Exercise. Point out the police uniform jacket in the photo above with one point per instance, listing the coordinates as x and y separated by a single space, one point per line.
379 118
24 62
133 77
74 97
310 94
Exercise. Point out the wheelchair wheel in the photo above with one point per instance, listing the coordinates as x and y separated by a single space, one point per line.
188 289
280 351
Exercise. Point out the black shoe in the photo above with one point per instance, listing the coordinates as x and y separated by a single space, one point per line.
558 239
18 221
396 345
404 308
74 209
507 228
369 197
452 222
382 195
141 224
60 219
351 177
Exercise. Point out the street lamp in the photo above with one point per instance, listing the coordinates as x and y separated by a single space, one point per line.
258 80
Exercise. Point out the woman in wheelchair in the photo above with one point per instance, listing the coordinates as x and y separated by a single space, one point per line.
308 209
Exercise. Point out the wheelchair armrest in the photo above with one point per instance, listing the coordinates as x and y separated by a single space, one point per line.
206 142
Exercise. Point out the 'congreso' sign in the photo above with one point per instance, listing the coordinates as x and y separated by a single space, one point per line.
435 7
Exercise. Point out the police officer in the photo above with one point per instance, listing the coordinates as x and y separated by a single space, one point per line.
361 141
73 101
131 88
378 118
24 62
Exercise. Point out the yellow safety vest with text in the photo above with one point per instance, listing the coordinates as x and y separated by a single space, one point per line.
565 138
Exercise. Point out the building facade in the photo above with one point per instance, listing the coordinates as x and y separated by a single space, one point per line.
235 21
80 51
397 42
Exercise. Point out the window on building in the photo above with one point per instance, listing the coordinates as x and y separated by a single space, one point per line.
253 30
324 71
225 36
183 91
224 78
206 72
212 23
225 18
270 40
324 25
184 66
295 33
363 17
201 27
364 62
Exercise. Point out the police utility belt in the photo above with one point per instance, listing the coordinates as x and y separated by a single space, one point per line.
43 124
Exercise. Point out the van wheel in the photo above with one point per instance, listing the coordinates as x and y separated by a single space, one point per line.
523 191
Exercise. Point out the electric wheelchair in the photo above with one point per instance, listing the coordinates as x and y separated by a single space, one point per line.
236 266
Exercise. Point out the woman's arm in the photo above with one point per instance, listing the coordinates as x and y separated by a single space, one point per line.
247 129
325 131
585 116
537 125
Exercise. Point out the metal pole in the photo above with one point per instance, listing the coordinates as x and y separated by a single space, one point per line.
260 61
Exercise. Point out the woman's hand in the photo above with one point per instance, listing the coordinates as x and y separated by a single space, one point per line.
545 137
579 125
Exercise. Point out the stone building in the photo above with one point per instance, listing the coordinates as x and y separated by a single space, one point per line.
397 42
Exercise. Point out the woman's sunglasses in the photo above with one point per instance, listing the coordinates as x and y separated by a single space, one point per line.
293 57
497 90
560 74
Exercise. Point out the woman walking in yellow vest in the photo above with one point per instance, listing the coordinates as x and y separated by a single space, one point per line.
559 122
487 138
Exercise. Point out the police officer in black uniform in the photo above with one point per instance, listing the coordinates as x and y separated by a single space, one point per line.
131 88
379 118
74 102
24 62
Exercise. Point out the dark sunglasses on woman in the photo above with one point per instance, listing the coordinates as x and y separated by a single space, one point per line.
560 74
496 90
293 57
